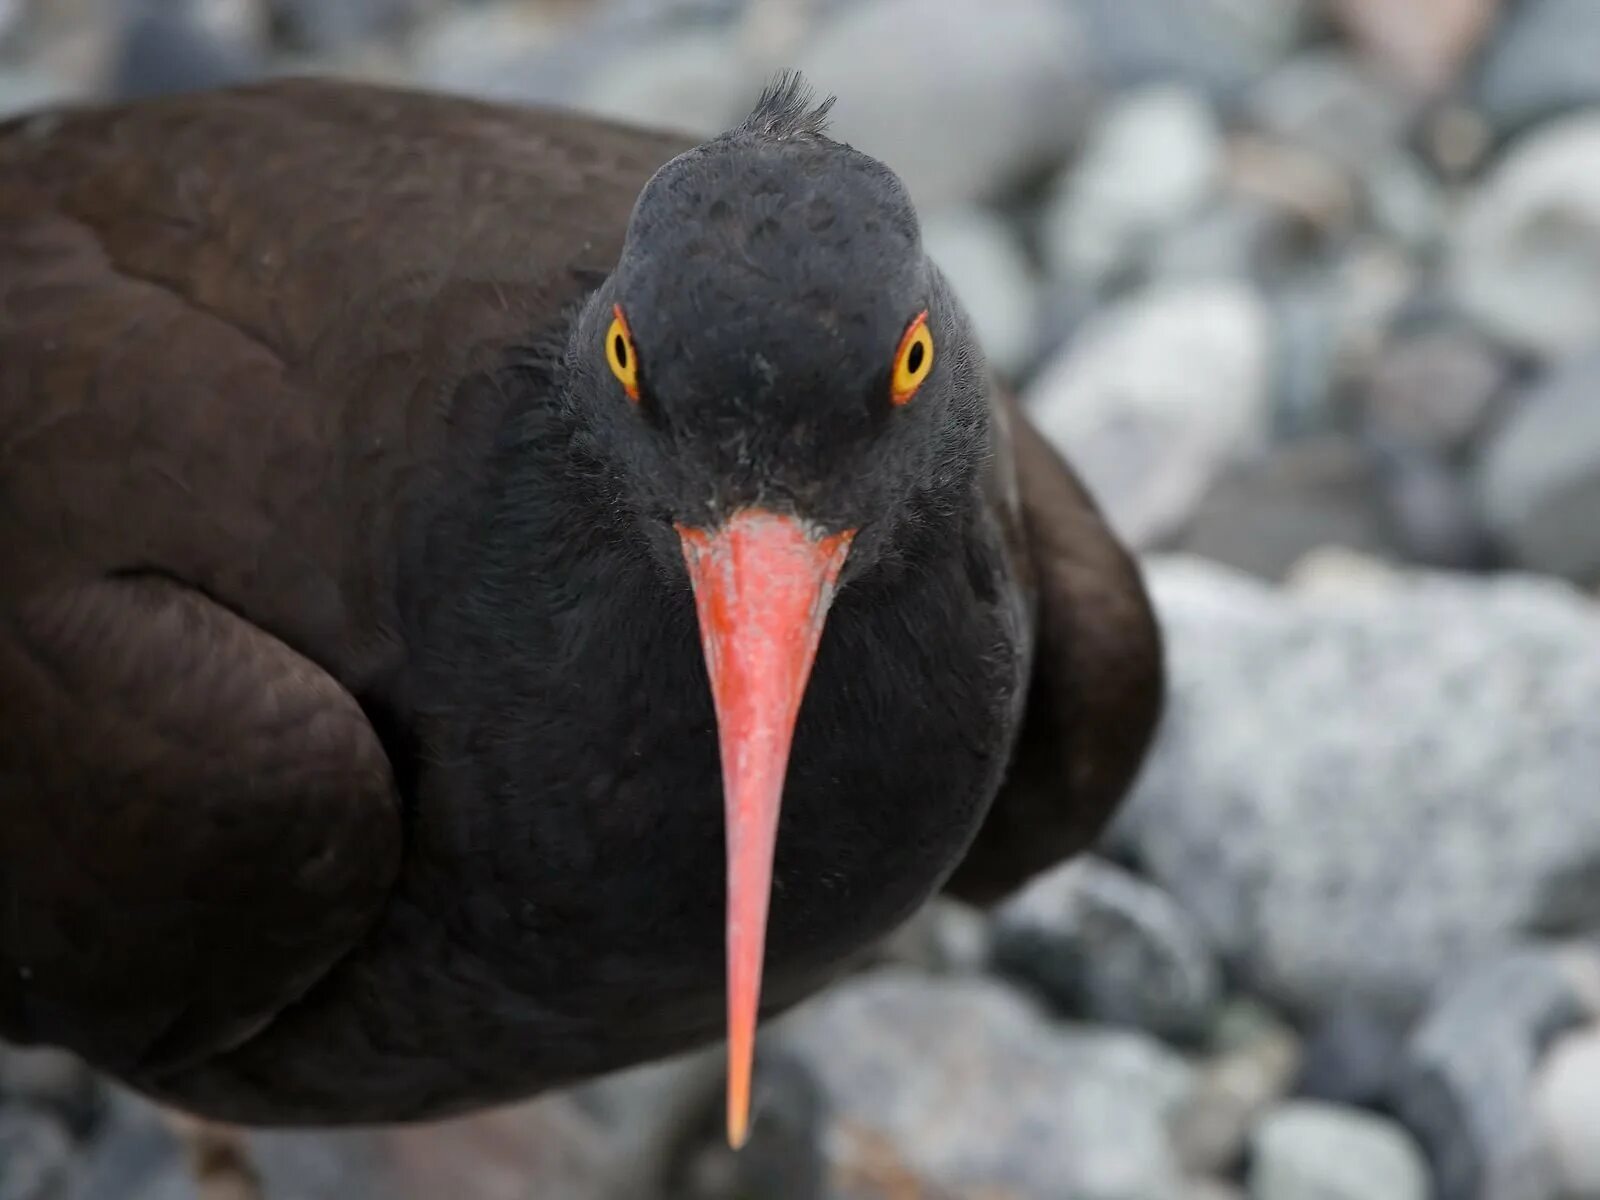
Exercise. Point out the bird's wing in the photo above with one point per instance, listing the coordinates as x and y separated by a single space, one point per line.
1097 687
197 823
234 331
238 332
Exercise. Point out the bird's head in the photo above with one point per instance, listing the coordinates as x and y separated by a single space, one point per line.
782 380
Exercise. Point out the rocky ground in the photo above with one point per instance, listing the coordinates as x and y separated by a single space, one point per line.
1310 291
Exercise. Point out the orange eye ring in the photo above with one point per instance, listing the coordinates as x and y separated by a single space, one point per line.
620 354
913 361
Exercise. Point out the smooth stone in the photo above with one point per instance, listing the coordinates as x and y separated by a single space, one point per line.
51 1079
1352 1056
1250 1067
1296 179
1405 772
986 266
962 1087
1372 283
944 937
11 13
133 1155
27 89
1334 129
782 1159
165 51
1329 323
1539 478
1467 1077
1436 389
1156 397
1544 59
1333 104
1567 1100
1311 1151
1525 251
1432 508
1103 945
510 53
1405 199
1424 42
1221 46
1266 515
1150 161
1307 333
326 25
35 1156
1234 239
963 99
693 82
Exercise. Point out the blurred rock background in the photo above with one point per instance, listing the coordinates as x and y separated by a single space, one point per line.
1310 292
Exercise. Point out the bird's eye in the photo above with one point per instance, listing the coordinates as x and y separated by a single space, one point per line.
912 361
619 353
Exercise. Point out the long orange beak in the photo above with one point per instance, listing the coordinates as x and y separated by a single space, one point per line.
762 585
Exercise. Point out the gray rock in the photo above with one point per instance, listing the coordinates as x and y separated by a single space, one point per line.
781 1161
962 98
1539 481
694 81
1423 42
945 937
1103 945
1236 239
133 1156
1525 250
324 25
960 1087
1333 104
1367 291
1360 788
1306 335
1156 397
1405 199
35 1156
1266 515
1436 389
1567 1099
27 89
1219 45
168 50
656 15
1352 1056
1311 1151
1433 511
1065 306
516 54
1546 58
1150 161
1250 1068
50 1079
11 12
1304 183
1467 1077
986 266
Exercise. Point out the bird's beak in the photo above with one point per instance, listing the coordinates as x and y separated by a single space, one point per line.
762 584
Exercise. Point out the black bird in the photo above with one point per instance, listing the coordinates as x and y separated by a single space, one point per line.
435 536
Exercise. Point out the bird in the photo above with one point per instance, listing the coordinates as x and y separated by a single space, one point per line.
493 595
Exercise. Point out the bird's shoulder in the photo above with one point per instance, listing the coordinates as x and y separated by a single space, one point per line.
235 326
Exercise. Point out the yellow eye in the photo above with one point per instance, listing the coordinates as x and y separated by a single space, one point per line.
619 353
912 361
